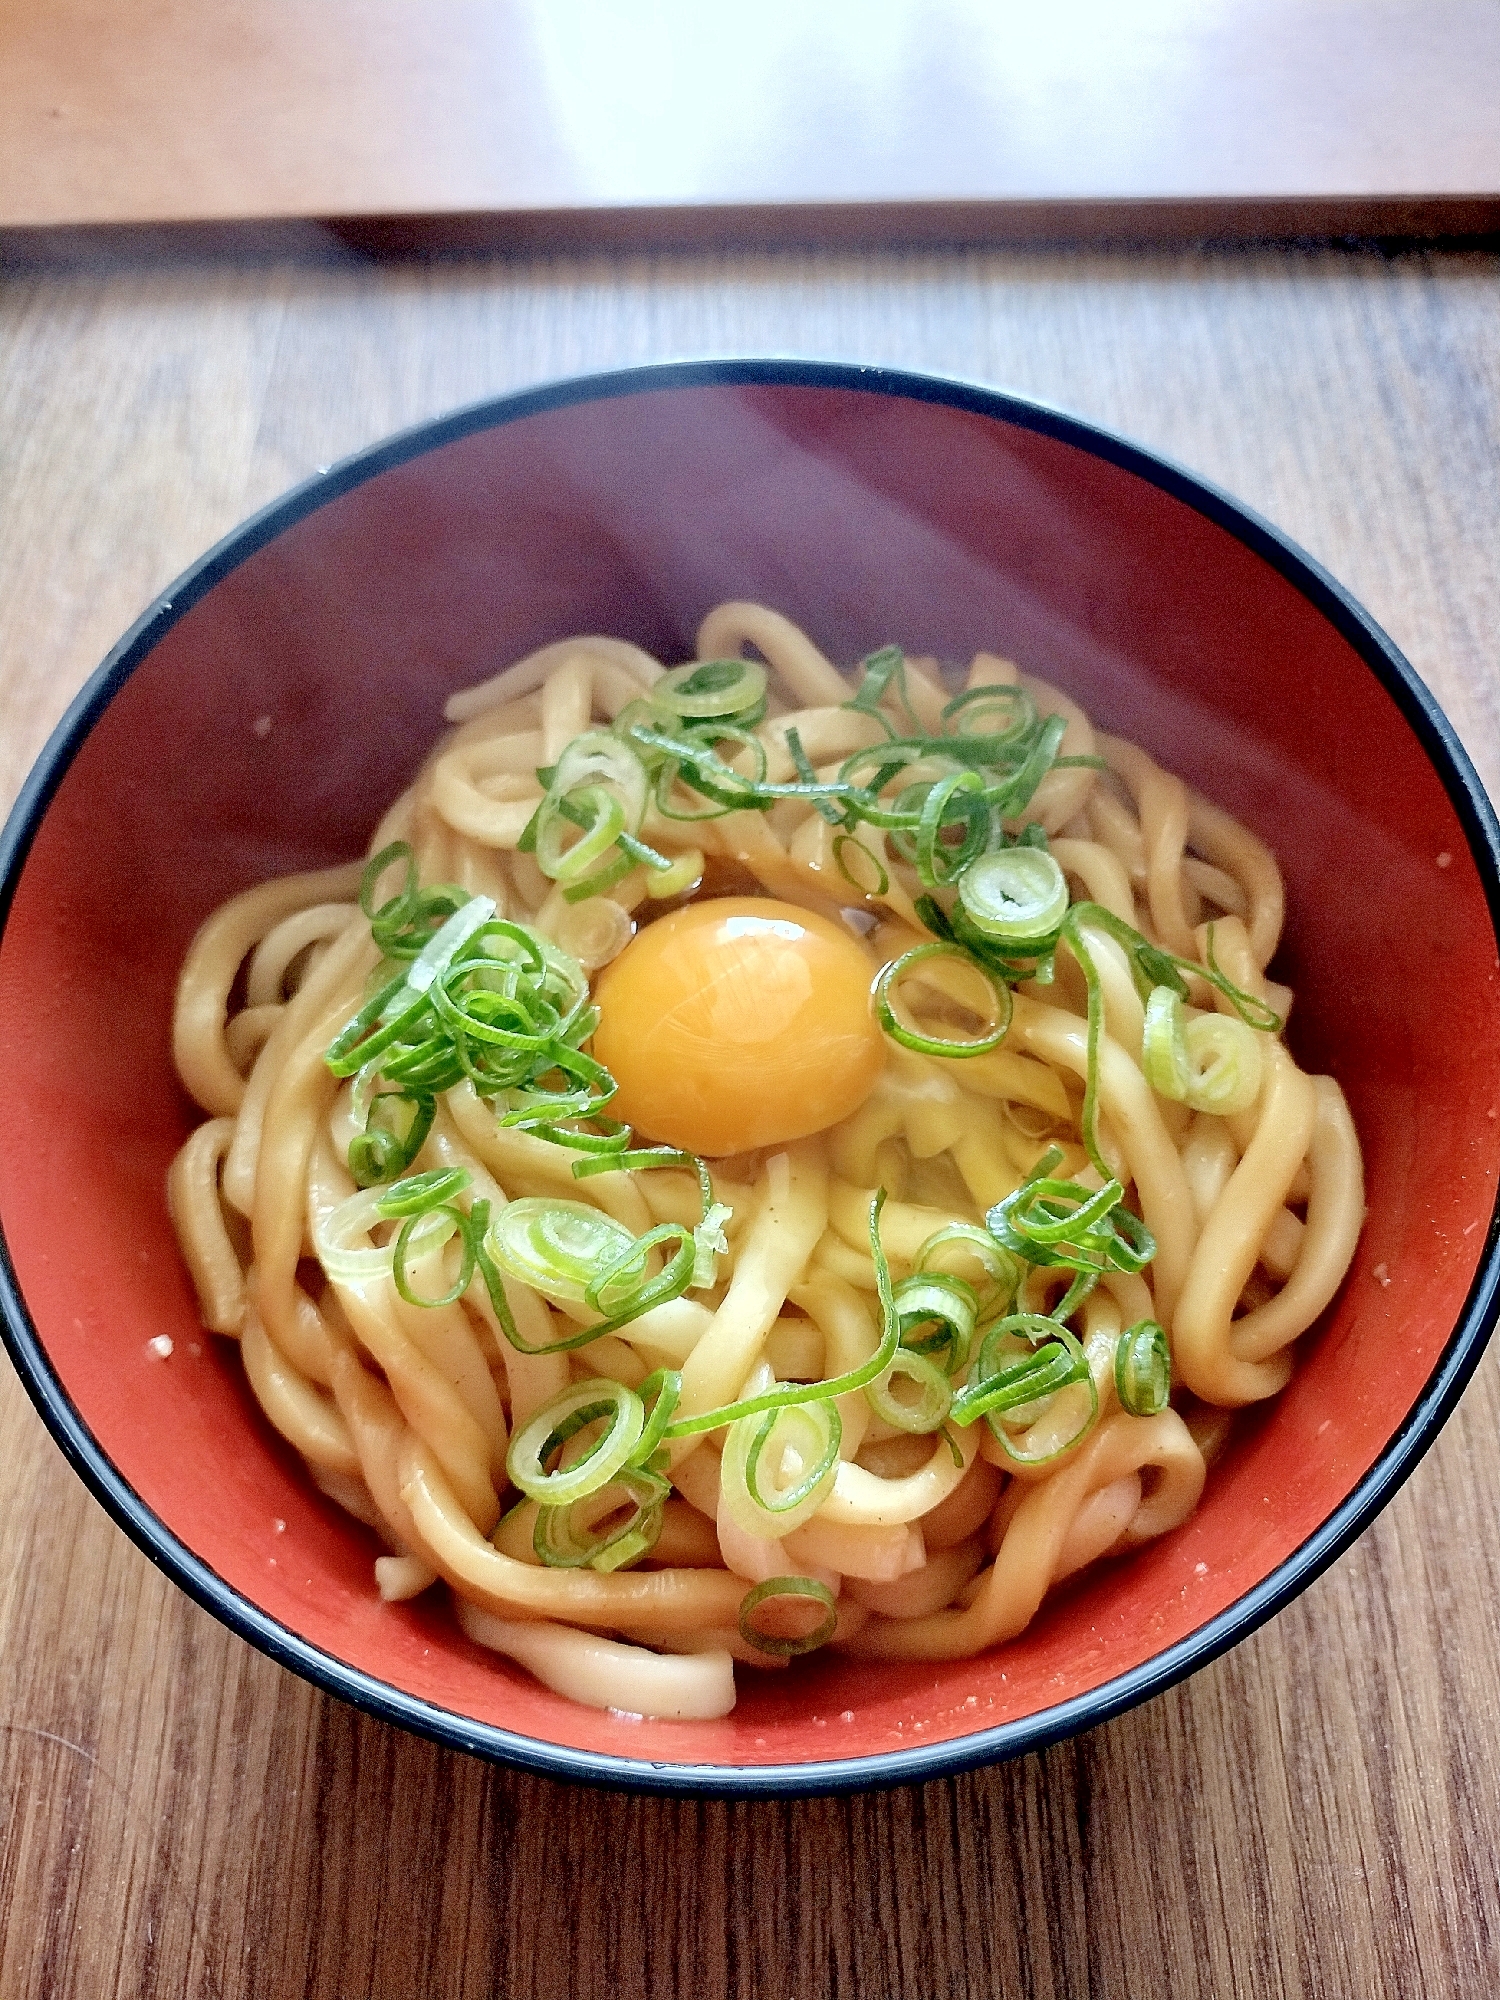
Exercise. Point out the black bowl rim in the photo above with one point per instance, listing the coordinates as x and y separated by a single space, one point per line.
908 1765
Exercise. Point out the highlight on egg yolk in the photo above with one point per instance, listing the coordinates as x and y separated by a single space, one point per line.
738 1023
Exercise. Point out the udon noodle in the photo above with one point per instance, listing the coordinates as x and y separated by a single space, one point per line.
976 1192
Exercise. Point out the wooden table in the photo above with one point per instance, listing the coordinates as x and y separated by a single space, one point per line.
1315 1814
531 123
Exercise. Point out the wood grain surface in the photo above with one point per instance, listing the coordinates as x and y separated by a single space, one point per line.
981 117
1316 1814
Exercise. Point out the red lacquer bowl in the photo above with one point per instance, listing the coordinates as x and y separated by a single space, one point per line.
869 506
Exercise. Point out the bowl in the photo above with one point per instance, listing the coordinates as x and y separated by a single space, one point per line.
261 714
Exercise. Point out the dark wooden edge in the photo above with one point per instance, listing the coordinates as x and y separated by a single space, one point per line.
1466 221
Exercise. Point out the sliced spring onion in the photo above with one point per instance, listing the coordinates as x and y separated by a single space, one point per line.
923 1414
341 1239
1143 1369
595 814
714 690
805 1589
1033 1385
901 1028
404 923
420 1192
1210 1063
1012 709
1016 895
779 1465
1065 1224
937 1311
591 1532
395 1130
557 1247
572 1415
681 878
660 1394
876 877
961 1239
601 757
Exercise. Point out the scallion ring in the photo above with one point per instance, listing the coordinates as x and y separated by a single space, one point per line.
557 1423
557 1247
1143 1369
1016 895
712 690
927 1411
806 1589
901 1028
1034 1388
591 1533
778 1466
1210 1063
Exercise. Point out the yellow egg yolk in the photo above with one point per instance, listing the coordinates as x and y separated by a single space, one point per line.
738 1023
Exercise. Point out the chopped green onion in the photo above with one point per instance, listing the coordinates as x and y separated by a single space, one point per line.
714 690
1033 1386
556 1247
1065 1224
806 1588
779 1465
681 878
348 1261
383 1150
1012 707
567 1416
923 1415
588 1532
1016 895
882 670
909 1035
1210 1063
421 1192
660 1394
1143 1369
881 882
937 1310
1001 1268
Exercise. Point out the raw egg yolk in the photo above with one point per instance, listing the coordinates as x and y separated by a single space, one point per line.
738 1023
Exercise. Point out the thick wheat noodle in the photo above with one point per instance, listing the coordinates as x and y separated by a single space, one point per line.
1061 794
527 675
850 1337
860 1498
419 1447
198 1217
680 1687
1101 872
1203 1344
1335 1213
681 1600
1231 846
247 1033
807 672
317 925
1162 805
306 1418
1165 1198
346 962
775 1251
478 793
208 973
1012 1591
1115 826
296 1105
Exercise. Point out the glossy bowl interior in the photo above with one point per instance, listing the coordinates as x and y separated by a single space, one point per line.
260 717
